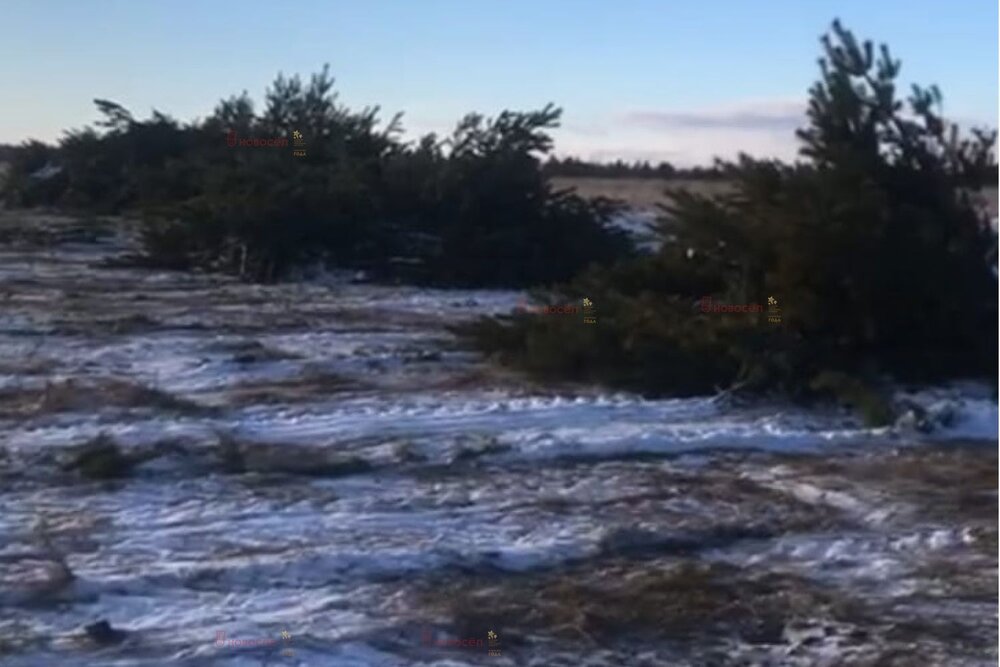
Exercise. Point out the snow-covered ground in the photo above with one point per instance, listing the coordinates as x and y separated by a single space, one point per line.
393 486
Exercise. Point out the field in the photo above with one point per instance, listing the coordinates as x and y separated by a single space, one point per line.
643 193
638 193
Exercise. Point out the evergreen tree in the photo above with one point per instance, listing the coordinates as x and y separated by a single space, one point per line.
872 245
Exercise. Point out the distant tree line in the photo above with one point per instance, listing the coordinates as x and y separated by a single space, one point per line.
576 168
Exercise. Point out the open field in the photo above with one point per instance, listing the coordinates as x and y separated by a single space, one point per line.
639 193
645 193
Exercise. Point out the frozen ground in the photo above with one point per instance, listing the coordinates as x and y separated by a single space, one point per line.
324 460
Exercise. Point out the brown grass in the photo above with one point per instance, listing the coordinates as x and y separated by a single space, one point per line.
238 457
309 385
679 601
75 396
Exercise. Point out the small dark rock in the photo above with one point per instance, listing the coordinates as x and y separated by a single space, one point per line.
764 631
344 467
490 448
102 458
231 455
407 453
859 635
102 633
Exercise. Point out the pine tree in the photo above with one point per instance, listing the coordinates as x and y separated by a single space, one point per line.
873 245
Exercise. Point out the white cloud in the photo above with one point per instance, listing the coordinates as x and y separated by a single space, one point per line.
763 128
768 115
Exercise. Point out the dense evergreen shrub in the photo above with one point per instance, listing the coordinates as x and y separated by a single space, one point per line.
880 261
473 209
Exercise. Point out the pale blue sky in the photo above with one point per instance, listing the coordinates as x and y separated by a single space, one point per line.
679 80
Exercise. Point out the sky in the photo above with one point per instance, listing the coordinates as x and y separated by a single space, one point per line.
676 80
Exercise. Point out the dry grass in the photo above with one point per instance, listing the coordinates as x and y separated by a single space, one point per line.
941 483
311 384
34 578
238 457
680 601
76 396
47 227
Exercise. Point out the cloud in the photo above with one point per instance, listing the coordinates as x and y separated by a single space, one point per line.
688 137
767 116
762 128
589 129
